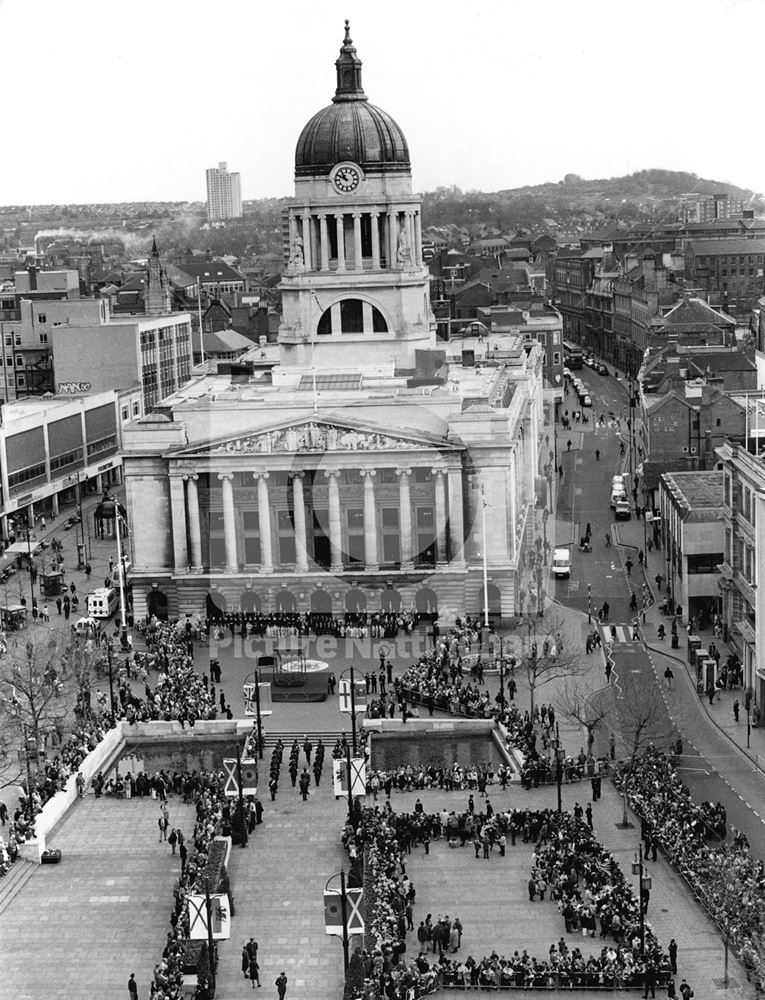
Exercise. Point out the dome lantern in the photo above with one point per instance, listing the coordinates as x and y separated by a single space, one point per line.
348 72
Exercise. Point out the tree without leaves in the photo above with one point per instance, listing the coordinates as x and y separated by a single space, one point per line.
642 720
545 653
35 693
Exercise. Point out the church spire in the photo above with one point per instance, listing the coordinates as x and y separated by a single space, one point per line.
348 72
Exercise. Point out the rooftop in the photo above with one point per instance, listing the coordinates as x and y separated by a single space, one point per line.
727 246
694 491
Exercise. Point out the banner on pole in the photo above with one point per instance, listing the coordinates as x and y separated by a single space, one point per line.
249 776
358 776
220 914
360 695
354 915
231 788
333 911
250 701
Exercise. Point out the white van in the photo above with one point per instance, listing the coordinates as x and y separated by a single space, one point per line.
617 481
617 493
561 564
116 572
102 603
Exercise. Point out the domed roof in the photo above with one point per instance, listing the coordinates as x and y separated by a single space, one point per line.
350 128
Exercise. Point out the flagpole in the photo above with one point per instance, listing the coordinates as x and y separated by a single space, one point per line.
485 566
257 706
353 712
243 832
344 911
199 314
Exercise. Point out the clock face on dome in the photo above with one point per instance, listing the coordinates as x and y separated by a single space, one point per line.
346 178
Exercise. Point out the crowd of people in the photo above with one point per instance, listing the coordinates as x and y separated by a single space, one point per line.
214 817
725 877
287 624
582 879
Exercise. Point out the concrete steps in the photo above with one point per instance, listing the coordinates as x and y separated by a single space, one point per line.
12 884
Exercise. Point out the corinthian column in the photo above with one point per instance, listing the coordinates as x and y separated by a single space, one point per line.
439 481
264 522
370 520
335 524
195 530
229 520
301 553
405 518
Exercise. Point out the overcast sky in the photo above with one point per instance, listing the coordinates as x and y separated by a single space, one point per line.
112 101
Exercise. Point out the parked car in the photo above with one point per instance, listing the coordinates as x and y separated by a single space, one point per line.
601 369
622 510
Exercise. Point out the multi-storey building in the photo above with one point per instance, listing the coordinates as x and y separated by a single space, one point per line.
224 194
572 273
691 505
729 271
743 568
362 471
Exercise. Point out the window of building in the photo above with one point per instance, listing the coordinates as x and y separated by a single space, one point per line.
21 381
705 562
354 553
251 530
8 341
136 408
43 338
125 412
426 538
718 422
17 339
391 539
286 533
556 358
42 318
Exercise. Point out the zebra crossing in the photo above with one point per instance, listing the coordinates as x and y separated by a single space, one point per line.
615 633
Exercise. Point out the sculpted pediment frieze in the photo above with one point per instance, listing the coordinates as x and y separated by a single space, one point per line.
315 436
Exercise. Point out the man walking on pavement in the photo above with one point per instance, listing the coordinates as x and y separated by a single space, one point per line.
281 986
305 782
133 987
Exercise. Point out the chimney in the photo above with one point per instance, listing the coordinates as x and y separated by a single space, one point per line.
32 272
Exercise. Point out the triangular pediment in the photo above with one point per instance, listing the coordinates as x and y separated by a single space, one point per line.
312 435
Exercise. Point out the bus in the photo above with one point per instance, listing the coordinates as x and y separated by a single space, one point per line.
572 355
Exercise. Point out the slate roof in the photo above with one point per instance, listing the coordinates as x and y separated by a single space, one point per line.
735 246
695 311
696 491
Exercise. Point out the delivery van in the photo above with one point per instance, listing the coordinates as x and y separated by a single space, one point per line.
561 564
102 603
622 510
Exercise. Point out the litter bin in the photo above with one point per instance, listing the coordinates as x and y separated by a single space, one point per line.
675 641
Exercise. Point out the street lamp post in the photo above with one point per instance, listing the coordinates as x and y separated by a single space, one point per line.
121 563
558 766
353 714
210 945
111 680
485 559
589 604
502 675
242 821
545 515
637 869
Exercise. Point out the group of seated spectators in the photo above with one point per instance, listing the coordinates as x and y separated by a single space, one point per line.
724 877
286 624
408 778
581 877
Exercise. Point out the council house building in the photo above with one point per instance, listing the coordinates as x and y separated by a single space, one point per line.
363 471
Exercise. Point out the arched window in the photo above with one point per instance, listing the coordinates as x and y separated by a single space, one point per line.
351 316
